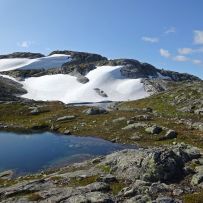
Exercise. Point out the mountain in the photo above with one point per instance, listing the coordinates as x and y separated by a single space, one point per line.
74 77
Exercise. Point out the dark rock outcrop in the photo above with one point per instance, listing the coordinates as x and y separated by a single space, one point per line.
80 57
82 63
22 55
10 90
135 69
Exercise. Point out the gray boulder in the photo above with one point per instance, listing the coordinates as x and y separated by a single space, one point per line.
66 118
95 111
67 132
166 200
82 79
6 174
149 165
134 126
199 111
100 92
162 165
120 119
153 129
198 177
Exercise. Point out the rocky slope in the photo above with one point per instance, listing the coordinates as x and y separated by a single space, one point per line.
10 90
130 176
22 55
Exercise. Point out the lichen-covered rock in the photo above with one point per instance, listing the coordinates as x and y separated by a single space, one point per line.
162 165
138 199
6 174
153 129
198 177
120 119
166 200
66 118
199 111
153 165
134 126
95 111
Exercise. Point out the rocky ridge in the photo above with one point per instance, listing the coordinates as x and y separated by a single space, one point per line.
10 90
154 80
83 62
28 55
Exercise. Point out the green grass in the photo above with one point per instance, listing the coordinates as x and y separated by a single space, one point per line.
34 197
76 182
193 198
116 187
105 168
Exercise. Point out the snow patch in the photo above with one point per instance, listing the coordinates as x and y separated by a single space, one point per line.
53 61
67 89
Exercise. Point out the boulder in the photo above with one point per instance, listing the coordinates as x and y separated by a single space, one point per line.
141 118
67 132
82 79
6 174
170 134
199 111
198 177
98 197
149 165
139 199
66 118
134 126
35 111
162 165
95 111
100 92
120 119
166 200
153 129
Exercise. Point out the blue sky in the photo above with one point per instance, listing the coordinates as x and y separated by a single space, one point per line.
167 34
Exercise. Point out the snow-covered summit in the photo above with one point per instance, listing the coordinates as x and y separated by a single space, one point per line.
74 77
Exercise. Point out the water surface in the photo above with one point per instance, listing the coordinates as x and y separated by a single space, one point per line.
29 153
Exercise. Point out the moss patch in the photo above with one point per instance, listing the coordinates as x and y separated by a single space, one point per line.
193 198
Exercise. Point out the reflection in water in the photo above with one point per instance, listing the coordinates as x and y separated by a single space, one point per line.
34 152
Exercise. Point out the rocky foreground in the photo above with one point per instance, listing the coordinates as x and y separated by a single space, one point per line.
159 175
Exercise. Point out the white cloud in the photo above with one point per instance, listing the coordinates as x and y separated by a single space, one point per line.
198 37
165 53
185 51
180 58
150 39
197 61
170 30
25 44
